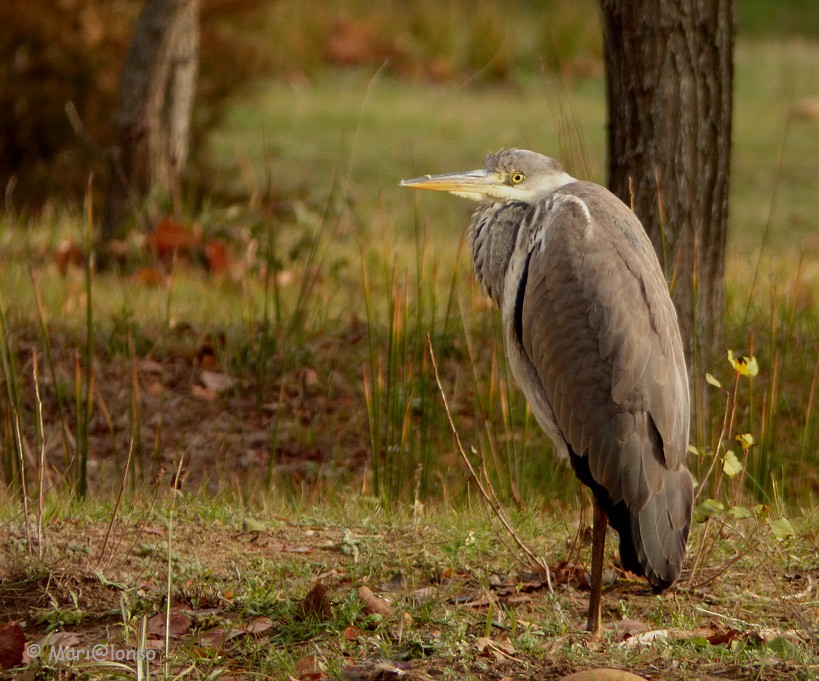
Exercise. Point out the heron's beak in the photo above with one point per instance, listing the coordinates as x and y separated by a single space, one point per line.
473 184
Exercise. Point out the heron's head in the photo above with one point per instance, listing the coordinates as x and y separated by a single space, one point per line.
507 175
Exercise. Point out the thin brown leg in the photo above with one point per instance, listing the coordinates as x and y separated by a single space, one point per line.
598 544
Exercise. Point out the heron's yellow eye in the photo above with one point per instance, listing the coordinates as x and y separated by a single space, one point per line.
516 178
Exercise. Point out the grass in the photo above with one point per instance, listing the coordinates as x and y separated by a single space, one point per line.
340 275
459 607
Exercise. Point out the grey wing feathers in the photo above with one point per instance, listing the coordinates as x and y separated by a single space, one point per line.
601 331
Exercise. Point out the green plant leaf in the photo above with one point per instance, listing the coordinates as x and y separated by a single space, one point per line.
746 366
708 509
712 380
781 528
740 512
746 440
731 466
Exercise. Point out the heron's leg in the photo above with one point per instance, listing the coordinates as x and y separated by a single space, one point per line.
598 544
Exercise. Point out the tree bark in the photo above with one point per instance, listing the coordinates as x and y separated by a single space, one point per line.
669 77
152 120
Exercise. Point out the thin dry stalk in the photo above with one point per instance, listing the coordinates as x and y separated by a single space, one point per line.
21 454
41 461
489 497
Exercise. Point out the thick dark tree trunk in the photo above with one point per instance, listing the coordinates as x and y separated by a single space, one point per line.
669 73
152 120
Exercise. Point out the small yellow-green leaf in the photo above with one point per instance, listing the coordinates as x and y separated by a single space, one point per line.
693 450
731 466
746 440
781 528
707 509
712 380
746 366
739 512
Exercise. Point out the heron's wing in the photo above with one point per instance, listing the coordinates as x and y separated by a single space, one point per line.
599 327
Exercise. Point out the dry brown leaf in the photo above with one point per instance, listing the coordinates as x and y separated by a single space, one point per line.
646 638
12 645
723 636
373 605
59 639
150 366
169 236
627 628
257 625
148 276
216 381
602 674
806 109
500 649
352 633
307 666
178 624
218 636
154 388
217 256
68 253
203 393
316 605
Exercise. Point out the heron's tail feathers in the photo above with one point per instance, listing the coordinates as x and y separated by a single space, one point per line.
653 538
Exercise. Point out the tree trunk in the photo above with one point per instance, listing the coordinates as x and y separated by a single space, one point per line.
669 73
152 120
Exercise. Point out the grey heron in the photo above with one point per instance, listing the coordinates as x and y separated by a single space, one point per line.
593 341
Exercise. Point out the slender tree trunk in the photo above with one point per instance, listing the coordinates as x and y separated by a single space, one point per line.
152 119
669 74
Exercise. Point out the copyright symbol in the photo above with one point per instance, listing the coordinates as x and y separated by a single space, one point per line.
33 650
99 652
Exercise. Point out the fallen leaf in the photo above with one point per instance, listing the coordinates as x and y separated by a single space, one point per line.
723 636
203 393
148 276
150 366
307 666
628 628
352 633
781 529
56 639
154 388
646 638
500 649
215 637
217 256
602 674
68 253
257 625
373 605
178 624
316 605
806 109
169 236
12 645
252 525
216 381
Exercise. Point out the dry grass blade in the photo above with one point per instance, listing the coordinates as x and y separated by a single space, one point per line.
489 497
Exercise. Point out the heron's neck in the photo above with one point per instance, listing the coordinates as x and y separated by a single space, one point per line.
492 235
